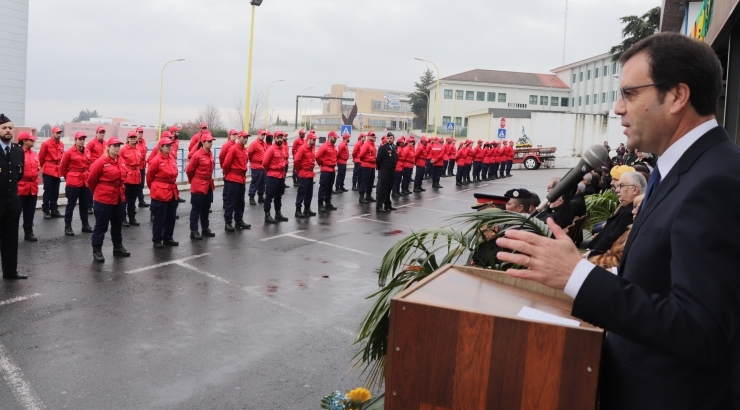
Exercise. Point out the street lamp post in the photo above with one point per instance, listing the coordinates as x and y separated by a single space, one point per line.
301 111
254 4
161 88
436 102
267 109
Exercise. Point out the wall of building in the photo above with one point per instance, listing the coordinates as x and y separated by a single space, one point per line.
371 108
13 50
587 80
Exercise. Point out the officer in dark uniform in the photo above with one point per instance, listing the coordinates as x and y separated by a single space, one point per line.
386 164
11 170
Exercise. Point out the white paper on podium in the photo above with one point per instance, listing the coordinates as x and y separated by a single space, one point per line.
534 314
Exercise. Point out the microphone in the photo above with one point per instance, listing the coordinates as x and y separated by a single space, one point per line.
591 159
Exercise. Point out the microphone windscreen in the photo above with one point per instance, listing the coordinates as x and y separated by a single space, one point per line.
595 156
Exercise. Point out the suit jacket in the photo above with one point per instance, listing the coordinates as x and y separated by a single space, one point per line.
616 225
673 313
11 171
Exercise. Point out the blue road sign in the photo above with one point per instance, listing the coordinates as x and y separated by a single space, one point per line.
502 133
346 129
450 126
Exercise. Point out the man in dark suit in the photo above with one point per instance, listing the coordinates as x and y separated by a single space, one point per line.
672 311
11 170
631 184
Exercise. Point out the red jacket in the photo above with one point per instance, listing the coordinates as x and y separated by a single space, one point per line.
286 152
460 157
256 153
29 183
225 150
436 154
95 148
451 151
200 172
408 157
303 161
468 155
478 153
235 164
297 144
356 152
368 154
194 141
141 146
420 156
131 158
487 155
342 152
161 178
509 153
106 180
75 167
274 161
173 151
50 157
399 163
326 157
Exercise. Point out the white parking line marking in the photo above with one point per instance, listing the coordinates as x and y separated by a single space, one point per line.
172 262
18 299
280 236
331 244
354 217
14 376
465 190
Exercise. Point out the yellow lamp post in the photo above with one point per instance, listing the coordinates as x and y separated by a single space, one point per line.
267 109
161 88
254 4
436 102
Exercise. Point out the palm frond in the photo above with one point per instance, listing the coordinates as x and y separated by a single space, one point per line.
600 207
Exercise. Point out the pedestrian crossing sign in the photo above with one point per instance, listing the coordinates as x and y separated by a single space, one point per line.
502 133
450 126
346 129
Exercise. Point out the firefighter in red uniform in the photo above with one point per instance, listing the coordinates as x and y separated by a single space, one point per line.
496 160
368 154
256 153
161 178
436 153
141 146
297 144
200 174
230 142
486 163
50 157
95 149
460 161
304 161
420 159
477 160
106 181
235 182
195 140
286 152
342 157
452 153
28 185
326 157
274 163
468 160
74 168
509 158
357 170
131 158
398 175
408 164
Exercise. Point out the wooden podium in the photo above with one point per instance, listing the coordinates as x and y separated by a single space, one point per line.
457 342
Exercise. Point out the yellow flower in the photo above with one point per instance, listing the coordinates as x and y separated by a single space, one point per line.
359 395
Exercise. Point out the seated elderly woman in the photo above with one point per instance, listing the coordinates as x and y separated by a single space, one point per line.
613 256
631 184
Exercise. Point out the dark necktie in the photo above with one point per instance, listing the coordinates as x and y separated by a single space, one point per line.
652 185
7 151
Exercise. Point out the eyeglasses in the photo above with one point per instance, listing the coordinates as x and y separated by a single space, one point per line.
620 186
625 91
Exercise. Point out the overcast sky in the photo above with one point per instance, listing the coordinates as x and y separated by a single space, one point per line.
108 55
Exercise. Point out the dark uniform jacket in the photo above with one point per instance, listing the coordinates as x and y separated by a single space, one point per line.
11 171
387 157
616 225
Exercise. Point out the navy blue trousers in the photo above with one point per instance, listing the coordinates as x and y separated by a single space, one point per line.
502 169
484 170
451 167
51 193
274 190
356 174
437 174
73 195
493 170
257 185
105 215
305 192
444 166
28 206
428 169
419 176
201 204
141 186
366 181
10 215
234 204
476 169
163 219
341 174
406 178
468 168
508 167
397 181
326 181
132 192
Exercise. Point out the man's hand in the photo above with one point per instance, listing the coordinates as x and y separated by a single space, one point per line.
550 261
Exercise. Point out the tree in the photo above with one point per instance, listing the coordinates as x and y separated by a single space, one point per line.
256 113
45 130
211 116
420 97
85 115
635 30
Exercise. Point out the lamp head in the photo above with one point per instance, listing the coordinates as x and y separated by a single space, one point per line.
255 2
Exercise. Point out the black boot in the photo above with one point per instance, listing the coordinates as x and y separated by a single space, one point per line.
29 237
56 214
252 201
269 219
196 236
208 233
98 254
279 216
298 213
47 215
68 229
242 225
181 200
158 244
343 189
396 194
417 189
132 220
125 221
119 250
89 211
171 242
330 206
322 208
308 212
229 227
370 198
363 200
260 199
86 228
143 204
355 187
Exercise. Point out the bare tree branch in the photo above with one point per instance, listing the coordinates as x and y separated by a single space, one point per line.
211 116
256 112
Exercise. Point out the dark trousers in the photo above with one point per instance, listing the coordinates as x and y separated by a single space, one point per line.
341 173
200 205
484 170
28 206
385 182
141 186
419 176
502 169
508 167
224 193
305 192
476 169
356 174
444 166
89 199
163 219
257 185
493 171
274 190
468 168
108 215
74 194
132 192
428 169
234 204
437 174
51 193
326 181
397 176
459 176
406 178
10 216
366 181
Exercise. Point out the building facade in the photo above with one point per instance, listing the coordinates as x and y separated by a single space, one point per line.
13 50
594 84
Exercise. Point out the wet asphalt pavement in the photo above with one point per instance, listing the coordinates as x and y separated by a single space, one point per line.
255 319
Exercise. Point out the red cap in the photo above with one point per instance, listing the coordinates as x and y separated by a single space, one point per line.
269 134
165 134
139 129
233 132
55 129
302 132
312 136
100 129
370 134
412 139
165 140
244 134
79 135
423 139
131 134
174 128
203 125
262 132
345 136
332 134
401 140
113 141
25 135
480 141
206 137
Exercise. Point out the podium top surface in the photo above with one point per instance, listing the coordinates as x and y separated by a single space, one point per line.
492 293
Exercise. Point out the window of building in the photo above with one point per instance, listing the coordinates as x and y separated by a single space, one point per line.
514 105
554 102
448 94
588 75
501 98
469 95
603 97
580 100
596 73
606 70
614 96
458 121
614 68
533 99
564 102
446 119
596 98
574 77
466 121
491 97
543 100
380 123
586 99
458 94
580 76
480 96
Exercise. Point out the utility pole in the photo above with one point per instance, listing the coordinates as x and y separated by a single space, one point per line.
565 29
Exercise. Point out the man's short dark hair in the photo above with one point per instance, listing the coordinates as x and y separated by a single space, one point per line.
534 200
676 59
525 202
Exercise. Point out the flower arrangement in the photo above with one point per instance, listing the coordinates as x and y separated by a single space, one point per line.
354 400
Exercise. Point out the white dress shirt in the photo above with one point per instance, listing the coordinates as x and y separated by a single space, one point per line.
666 162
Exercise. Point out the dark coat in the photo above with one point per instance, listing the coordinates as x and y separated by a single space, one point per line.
11 171
387 157
616 225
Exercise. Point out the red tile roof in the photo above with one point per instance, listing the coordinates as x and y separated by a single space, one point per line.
508 78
